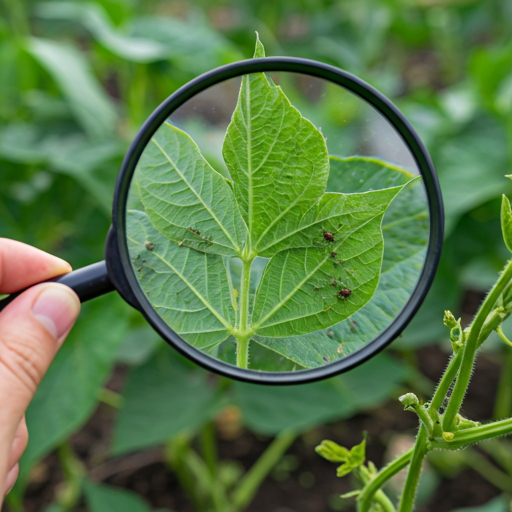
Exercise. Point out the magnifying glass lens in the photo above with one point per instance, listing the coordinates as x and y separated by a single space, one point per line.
277 222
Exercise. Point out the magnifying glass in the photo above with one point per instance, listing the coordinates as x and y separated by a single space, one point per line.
276 220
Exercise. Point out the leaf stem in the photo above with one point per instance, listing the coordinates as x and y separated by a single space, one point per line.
372 487
470 348
413 475
475 434
246 489
243 334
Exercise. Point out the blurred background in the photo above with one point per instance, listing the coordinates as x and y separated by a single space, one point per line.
120 422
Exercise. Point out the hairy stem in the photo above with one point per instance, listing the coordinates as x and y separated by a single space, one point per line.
503 402
246 489
475 434
373 486
413 475
380 496
470 348
243 335
446 380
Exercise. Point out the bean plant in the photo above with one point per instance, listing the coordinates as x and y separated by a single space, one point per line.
322 251
441 424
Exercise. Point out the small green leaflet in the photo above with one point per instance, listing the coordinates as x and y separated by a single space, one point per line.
318 254
506 222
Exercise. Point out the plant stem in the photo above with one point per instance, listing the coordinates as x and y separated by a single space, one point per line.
503 403
444 385
372 487
74 472
244 336
208 447
380 496
413 475
475 434
246 489
470 348
489 471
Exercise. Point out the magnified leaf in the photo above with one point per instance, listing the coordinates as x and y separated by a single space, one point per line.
278 160
189 289
303 290
269 256
185 198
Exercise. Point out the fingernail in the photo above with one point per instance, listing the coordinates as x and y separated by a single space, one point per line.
57 308
11 478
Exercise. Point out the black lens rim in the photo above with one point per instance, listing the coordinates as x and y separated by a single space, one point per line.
376 100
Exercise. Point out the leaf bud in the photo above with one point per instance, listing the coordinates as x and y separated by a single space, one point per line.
449 320
448 436
409 401
332 451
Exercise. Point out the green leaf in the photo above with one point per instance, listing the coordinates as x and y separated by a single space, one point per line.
68 67
185 198
68 393
189 289
332 451
506 221
362 173
299 291
162 398
94 17
105 498
278 160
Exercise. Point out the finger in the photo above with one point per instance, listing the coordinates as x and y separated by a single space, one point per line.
22 265
19 443
11 478
32 327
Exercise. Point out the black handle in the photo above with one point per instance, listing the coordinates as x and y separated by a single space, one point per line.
88 282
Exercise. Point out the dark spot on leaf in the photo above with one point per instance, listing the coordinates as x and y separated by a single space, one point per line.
326 359
143 261
354 322
195 231
343 294
333 255
330 334
334 282
316 289
139 269
328 236
149 246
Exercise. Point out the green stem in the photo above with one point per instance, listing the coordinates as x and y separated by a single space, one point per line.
244 336
489 471
470 348
209 447
475 434
377 482
446 380
503 403
74 472
380 496
502 336
246 489
413 475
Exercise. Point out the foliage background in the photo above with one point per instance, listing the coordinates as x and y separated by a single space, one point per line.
77 79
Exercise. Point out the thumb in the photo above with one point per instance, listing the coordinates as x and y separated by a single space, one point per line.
32 328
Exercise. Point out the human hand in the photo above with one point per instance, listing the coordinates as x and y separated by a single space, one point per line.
32 328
